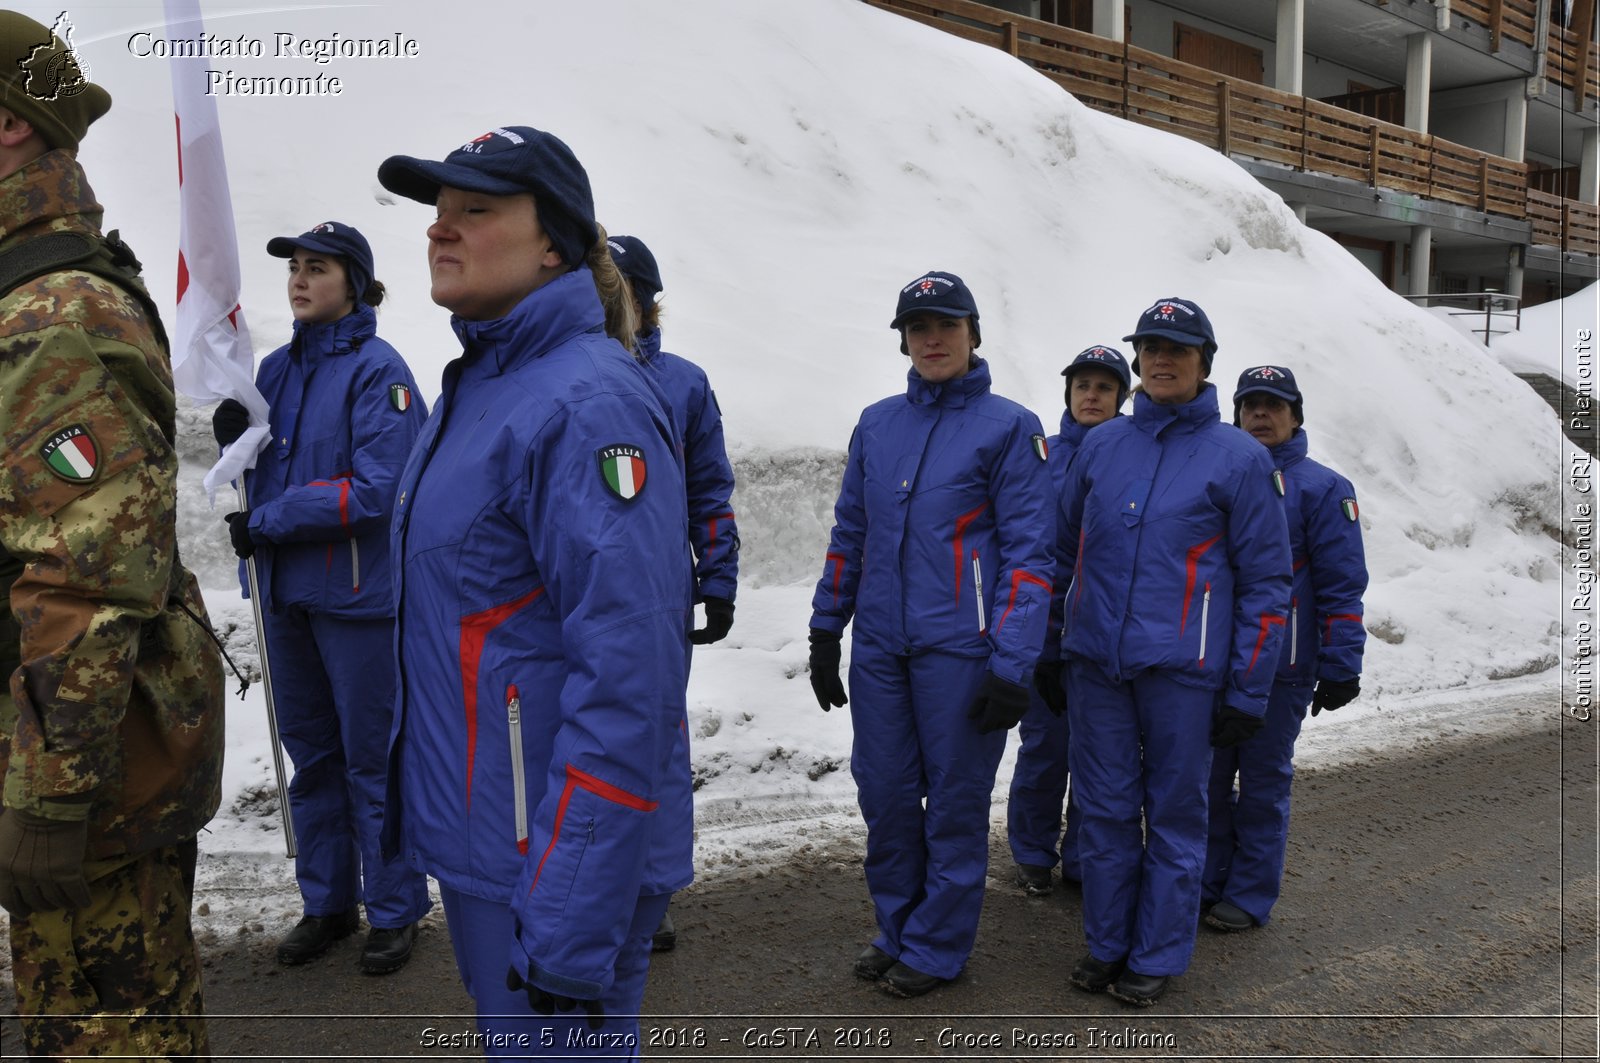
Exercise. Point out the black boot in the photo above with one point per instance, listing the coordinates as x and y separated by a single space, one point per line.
665 939
388 948
315 934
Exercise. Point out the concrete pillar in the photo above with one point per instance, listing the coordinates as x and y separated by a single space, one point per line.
1291 52
1419 80
1421 258
1110 17
1513 285
1516 139
1300 212
1589 167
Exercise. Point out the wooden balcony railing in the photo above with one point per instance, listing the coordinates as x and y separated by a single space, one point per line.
1251 121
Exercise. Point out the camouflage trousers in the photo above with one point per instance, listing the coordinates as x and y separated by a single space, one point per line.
120 977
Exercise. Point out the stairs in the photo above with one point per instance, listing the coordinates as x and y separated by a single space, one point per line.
1565 402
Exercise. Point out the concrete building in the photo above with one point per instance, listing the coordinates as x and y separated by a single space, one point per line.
1450 145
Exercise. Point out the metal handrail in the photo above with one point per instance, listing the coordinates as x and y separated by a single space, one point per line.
1489 303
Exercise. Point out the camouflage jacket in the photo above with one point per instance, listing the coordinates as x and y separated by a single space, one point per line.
114 708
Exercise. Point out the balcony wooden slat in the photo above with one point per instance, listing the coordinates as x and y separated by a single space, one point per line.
1253 121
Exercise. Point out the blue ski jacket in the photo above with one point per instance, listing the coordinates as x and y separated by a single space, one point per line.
1175 534
942 533
1063 445
539 753
1326 635
713 533
344 411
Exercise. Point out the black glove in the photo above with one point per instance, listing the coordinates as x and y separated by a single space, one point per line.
239 532
1047 681
41 863
229 420
719 620
825 681
1334 694
999 706
1233 726
548 1003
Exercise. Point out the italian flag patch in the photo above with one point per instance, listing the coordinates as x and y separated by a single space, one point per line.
400 397
1352 512
1041 448
622 470
1277 482
71 454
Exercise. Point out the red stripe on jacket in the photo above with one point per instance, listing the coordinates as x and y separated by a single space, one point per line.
1018 578
1191 570
961 530
838 573
1267 620
577 778
475 629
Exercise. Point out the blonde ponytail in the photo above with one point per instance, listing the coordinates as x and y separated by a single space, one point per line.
612 287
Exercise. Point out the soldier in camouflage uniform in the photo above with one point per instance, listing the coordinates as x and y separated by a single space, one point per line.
111 728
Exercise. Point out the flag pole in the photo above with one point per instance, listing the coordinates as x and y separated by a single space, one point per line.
211 355
292 850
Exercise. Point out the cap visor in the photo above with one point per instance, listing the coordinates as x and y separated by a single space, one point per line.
941 311
1261 390
285 247
1188 339
420 179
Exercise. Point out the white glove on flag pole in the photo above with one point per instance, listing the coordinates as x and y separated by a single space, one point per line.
211 355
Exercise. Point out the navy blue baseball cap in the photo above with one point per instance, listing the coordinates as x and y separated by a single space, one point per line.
943 293
1105 358
1178 320
1275 380
508 161
637 264
332 238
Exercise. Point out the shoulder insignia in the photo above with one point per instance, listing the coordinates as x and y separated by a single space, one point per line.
1352 512
622 469
1041 448
71 454
400 397
1277 482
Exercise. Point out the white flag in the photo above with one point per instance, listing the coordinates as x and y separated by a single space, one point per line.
211 355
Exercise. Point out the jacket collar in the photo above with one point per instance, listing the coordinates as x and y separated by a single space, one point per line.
1290 450
1155 418
50 193
952 393
648 346
547 317
1072 432
334 337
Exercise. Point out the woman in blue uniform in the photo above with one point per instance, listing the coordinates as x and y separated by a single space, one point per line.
1319 665
543 595
1175 536
940 553
708 474
344 411
1098 382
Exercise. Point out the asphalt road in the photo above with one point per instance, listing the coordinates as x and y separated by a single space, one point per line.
1439 903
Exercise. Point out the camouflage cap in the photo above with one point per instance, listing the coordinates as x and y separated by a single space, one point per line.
43 84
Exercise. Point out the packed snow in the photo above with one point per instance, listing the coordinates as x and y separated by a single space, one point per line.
792 168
